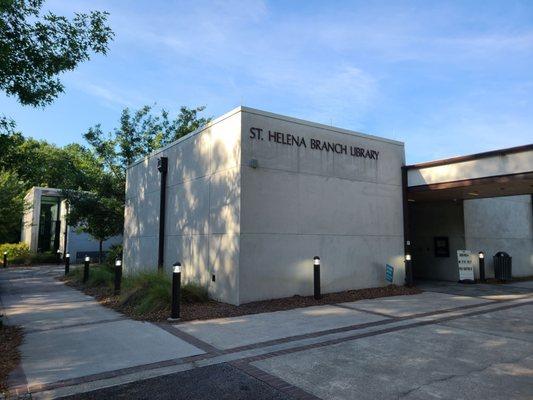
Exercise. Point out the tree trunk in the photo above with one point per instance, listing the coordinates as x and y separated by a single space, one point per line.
100 252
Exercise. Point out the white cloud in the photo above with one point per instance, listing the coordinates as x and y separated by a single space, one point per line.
435 75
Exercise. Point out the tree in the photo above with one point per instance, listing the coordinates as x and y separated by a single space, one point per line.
39 163
101 212
11 206
35 49
27 162
100 217
139 134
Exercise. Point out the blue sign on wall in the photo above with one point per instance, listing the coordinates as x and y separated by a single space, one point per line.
389 273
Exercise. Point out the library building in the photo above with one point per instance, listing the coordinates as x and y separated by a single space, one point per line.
246 203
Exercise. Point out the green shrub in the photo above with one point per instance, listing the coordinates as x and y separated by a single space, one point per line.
75 273
42 258
20 254
114 252
152 291
194 293
146 291
15 251
99 275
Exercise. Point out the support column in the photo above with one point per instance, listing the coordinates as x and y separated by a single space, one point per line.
406 228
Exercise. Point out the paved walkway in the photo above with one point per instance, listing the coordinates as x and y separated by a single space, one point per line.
68 335
452 341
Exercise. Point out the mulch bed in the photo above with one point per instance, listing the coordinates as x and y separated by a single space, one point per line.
10 339
215 309
494 281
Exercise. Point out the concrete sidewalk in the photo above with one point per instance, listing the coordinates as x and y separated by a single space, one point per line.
452 341
69 335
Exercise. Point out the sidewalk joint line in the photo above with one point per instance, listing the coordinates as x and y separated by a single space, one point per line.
251 359
55 328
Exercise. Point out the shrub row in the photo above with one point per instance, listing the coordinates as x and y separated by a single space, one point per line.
20 254
145 292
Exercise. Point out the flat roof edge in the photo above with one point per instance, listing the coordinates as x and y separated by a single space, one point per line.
318 125
470 157
270 115
187 136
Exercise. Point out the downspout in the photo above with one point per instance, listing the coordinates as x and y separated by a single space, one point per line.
162 166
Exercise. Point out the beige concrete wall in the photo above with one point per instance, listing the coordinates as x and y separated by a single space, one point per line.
30 221
301 202
203 208
257 229
501 224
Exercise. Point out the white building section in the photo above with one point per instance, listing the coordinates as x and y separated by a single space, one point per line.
44 227
253 196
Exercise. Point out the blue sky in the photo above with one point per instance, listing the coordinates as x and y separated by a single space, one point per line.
447 78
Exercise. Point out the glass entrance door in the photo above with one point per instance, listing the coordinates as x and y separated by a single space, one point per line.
49 224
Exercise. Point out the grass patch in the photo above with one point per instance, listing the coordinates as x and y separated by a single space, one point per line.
144 293
99 276
152 291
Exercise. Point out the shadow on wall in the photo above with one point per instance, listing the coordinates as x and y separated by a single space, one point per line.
202 214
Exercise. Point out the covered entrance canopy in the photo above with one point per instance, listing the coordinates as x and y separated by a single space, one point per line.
505 172
479 202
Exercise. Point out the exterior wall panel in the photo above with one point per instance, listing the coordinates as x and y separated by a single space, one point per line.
300 202
501 224
202 208
256 230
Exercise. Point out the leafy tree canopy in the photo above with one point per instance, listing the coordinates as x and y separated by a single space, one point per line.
100 217
92 179
29 162
11 206
39 163
139 133
35 49
101 214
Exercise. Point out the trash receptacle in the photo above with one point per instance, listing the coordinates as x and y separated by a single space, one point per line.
503 266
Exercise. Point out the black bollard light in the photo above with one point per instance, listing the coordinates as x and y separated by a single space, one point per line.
118 276
176 292
316 277
86 269
58 257
5 259
481 256
408 271
67 264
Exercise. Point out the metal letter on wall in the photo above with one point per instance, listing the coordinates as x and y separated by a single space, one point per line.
162 167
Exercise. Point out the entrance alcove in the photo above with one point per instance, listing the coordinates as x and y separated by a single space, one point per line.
480 202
